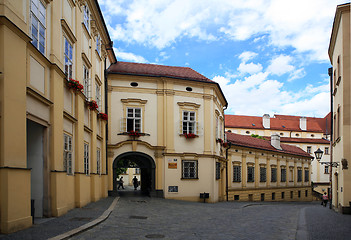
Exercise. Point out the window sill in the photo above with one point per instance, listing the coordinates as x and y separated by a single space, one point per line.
189 179
140 134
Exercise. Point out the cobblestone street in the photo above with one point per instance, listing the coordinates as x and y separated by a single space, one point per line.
141 218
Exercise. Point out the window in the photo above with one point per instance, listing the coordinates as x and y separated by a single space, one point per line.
262 197
237 174
218 170
291 194
326 150
86 82
86 16
308 149
306 193
98 44
68 58
189 122
98 95
263 174
299 193
236 197
189 169
38 15
98 162
273 174
283 175
273 196
307 175
283 195
137 170
134 119
86 159
250 174
326 169
67 153
299 175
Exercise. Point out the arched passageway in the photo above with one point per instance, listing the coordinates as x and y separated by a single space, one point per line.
137 160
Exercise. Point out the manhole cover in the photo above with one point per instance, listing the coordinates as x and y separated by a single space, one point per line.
138 217
155 236
80 219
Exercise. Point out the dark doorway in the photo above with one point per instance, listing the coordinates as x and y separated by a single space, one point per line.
137 160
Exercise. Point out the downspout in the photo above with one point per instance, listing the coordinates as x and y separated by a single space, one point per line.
330 73
226 159
106 111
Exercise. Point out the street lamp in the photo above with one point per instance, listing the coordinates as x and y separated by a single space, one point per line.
319 154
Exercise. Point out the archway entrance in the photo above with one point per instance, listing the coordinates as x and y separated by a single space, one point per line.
137 160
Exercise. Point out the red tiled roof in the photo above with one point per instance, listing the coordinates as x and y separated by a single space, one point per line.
278 122
302 140
157 70
251 142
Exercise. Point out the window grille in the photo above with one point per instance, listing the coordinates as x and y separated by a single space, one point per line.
250 174
38 18
299 175
218 170
67 153
237 174
283 175
189 169
307 175
98 162
68 58
273 174
263 174
86 159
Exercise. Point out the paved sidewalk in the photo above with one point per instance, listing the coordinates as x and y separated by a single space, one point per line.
76 219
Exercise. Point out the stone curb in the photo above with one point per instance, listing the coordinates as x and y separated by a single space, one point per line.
91 224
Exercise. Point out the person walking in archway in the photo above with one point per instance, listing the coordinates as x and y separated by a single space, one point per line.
135 183
325 199
120 183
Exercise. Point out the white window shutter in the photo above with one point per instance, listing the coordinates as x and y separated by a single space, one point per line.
199 129
123 125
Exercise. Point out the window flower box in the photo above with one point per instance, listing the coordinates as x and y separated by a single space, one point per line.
93 105
190 135
134 134
103 116
74 84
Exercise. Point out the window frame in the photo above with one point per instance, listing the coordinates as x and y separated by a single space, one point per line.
307 175
274 174
236 173
263 174
86 82
309 149
40 23
186 174
134 119
86 17
86 159
68 56
299 175
250 174
68 154
283 176
326 169
218 170
98 94
187 122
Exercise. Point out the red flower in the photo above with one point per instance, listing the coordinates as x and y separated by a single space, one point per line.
134 134
74 84
103 116
93 105
190 135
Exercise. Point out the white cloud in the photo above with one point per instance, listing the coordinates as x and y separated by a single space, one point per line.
247 55
250 68
284 23
130 57
257 95
297 74
280 65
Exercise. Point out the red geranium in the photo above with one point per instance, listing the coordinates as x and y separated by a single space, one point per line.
74 84
103 116
93 105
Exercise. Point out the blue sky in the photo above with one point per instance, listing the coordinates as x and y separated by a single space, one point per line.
269 56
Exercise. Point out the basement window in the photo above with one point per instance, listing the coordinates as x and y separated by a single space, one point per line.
189 89
134 84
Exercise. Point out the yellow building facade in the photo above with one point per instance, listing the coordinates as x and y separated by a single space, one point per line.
52 128
266 170
166 120
339 54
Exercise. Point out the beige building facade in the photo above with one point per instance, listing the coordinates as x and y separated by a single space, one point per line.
306 133
52 103
339 54
165 120
267 170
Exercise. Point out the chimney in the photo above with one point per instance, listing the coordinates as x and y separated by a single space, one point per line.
303 123
266 121
275 141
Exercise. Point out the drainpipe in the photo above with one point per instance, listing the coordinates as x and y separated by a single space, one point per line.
330 72
226 169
